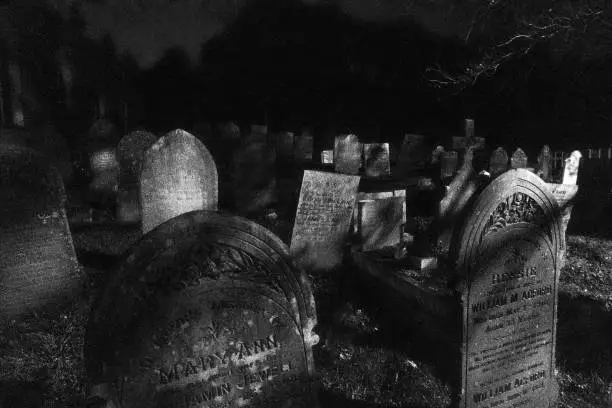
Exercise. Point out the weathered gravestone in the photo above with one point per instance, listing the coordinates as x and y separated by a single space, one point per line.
38 266
508 254
255 187
414 154
448 164
323 219
544 169
570 169
178 175
376 157
347 154
379 222
518 159
206 310
304 146
327 156
498 163
130 155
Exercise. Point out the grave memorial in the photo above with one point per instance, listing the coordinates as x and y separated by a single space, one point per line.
304 146
178 175
327 157
570 169
323 219
254 177
379 222
38 265
347 154
518 159
207 309
448 164
376 157
414 155
498 163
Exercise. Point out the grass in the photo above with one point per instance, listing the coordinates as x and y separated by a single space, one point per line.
364 359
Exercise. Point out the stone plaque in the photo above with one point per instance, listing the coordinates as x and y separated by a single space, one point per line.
448 164
284 145
379 222
208 311
414 154
518 159
544 169
323 219
38 265
376 157
498 163
570 170
304 147
347 154
508 253
178 175
130 155
254 177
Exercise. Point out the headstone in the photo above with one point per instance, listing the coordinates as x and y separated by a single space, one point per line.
379 222
414 155
448 164
38 265
105 169
461 143
178 175
545 164
206 310
130 155
323 219
469 129
255 186
347 154
376 157
436 155
518 159
508 256
327 156
565 195
570 170
285 143
229 131
304 147
498 163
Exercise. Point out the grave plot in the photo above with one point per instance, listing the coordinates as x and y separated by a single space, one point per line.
38 266
206 307
491 305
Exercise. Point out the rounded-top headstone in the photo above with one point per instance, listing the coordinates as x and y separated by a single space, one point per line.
38 266
206 308
178 175
508 253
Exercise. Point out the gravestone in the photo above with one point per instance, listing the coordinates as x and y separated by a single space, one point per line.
448 164
436 155
304 147
206 310
498 163
323 219
347 154
178 175
461 143
565 195
130 155
376 157
379 222
327 156
38 265
508 256
570 169
518 159
105 184
545 164
255 186
284 146
414 155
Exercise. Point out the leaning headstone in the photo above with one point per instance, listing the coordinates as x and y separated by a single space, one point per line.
570 170
130 155
414 155
323 219
38 265
448 164
508 256
178 175
376 158
518 159
379 222
545 164
498 163
304 147
255 187
347 154
206 310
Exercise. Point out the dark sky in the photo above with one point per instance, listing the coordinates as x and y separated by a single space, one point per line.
147 28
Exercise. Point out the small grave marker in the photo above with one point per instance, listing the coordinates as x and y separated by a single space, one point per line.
347 154
323 219
518 159
379 222
254 176
498 163
545 164
376 157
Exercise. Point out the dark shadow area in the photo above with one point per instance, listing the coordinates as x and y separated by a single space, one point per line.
23 394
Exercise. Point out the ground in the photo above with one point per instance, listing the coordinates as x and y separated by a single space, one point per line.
364 359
